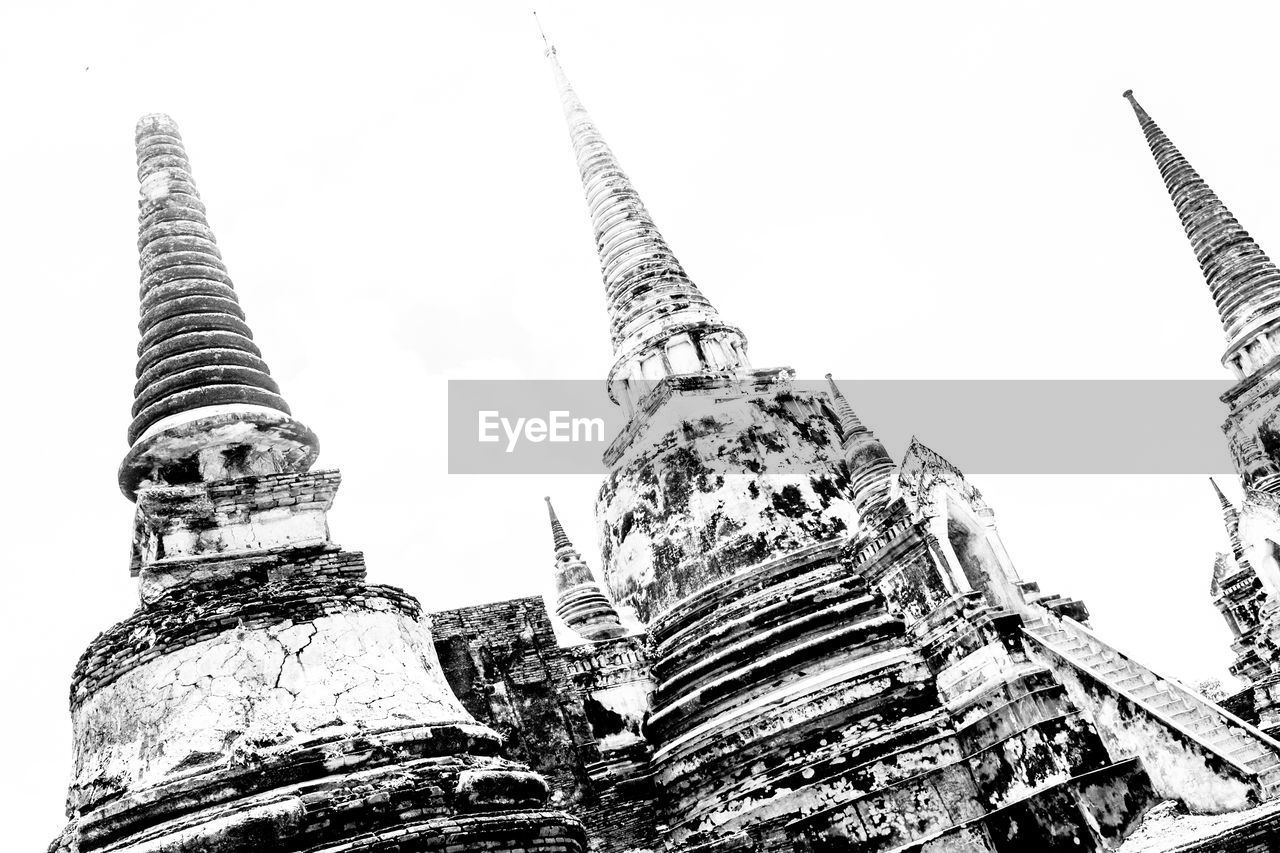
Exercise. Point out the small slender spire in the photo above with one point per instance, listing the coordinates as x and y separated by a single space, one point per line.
850 424
651 298
205 404
557 529
870 466
580 600
1227 506
1231 520
1245 284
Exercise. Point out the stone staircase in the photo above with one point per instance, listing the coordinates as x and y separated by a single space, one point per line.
1181 709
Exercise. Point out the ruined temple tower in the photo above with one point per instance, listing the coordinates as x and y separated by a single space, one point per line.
837 652
1245 286
263 696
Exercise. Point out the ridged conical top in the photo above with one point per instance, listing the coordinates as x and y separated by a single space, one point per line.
196 349
650 296
205 406
558 536
1245 284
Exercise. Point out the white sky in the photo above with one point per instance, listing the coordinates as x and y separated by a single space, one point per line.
924 190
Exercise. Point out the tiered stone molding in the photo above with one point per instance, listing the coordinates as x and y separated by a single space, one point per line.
196 349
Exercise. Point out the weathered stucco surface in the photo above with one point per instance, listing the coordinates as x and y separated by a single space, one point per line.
719 476
263 687
255 690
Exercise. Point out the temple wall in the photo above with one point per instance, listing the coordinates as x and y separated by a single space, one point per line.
912 578
504 664
572 714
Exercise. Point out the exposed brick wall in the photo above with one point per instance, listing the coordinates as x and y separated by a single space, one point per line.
620 821
502 660
284 489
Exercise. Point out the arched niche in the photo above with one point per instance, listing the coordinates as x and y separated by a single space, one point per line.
1260 532
969 542
980 561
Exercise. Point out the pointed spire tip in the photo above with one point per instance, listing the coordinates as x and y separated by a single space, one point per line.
550 48
1227 506
558 535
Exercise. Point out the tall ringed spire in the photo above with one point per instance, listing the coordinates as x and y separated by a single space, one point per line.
660 322
1245 284
205 404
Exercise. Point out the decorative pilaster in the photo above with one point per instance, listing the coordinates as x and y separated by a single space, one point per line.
580 600
205 404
